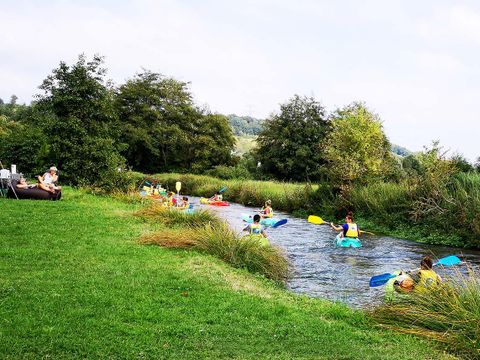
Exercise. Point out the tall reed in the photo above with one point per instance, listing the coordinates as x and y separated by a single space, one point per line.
202 231
449 313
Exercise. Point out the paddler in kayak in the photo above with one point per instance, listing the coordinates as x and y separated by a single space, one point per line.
418 280
267 211
216 197
349 229
255 228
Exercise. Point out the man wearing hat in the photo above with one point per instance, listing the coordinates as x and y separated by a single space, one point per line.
47 181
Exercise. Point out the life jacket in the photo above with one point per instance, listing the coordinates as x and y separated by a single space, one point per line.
268 212
352 231
428 278
255 229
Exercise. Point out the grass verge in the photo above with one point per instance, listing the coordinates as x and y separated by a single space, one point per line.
75 283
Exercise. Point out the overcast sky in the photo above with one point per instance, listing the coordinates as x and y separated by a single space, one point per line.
415 63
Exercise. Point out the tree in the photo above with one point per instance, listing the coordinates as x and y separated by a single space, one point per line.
13 100
82 126
163 129
289 144
356 149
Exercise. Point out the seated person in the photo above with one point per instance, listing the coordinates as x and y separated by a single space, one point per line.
216 197
255 228
47 181
267 211
185 203
22 184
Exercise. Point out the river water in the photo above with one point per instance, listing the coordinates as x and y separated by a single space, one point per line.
321 269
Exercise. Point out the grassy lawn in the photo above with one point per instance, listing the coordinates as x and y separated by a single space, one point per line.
75 283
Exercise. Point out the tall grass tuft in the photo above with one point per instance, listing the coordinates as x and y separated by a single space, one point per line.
217 239
174 218
449 313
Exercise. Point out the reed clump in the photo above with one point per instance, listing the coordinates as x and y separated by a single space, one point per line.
203 232
173 217
449 313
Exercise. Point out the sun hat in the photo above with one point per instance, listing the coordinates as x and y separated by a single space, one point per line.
53 168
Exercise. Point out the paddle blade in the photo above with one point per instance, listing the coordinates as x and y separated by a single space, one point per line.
379 280
317 220
222 190
449 261
279 223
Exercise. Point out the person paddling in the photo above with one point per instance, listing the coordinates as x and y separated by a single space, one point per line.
255 228
350 229
267 211
425 278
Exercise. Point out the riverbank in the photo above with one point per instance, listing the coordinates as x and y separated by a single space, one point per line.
380 207
78 284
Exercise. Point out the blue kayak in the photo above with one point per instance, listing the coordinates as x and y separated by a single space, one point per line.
347 242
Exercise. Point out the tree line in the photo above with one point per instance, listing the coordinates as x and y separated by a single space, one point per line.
91 129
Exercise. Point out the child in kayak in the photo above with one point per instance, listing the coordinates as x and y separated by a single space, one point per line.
350 229
255 228
185 203
425 278
267 211
418 280
216 197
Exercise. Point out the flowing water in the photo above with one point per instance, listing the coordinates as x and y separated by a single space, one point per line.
321 269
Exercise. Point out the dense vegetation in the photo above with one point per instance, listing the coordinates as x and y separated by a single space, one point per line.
245 125
88 289
93 130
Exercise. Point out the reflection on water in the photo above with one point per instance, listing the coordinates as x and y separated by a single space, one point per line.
324 270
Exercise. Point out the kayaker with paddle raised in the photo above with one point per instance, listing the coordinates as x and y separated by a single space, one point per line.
350 229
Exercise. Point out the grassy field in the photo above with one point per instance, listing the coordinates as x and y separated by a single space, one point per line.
76 283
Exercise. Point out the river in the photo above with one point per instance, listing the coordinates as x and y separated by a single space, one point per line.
321 269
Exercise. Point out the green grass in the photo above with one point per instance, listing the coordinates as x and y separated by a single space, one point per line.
75 283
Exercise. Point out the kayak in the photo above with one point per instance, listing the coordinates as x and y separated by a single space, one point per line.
265 222
347 242
391 294
206 201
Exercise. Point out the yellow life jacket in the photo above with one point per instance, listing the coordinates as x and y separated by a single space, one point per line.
268 212
428 278
255 229
352 231
170 201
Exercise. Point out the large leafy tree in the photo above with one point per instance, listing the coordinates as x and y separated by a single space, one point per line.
82 126
289 145
356 149
165 131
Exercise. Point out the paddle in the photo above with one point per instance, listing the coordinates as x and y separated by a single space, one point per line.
382 279
279 223
222 190
317 220
178 187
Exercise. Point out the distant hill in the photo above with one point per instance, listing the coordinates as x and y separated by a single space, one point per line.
400 150
245 125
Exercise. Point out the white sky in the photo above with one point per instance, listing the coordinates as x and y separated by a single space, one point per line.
416 63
